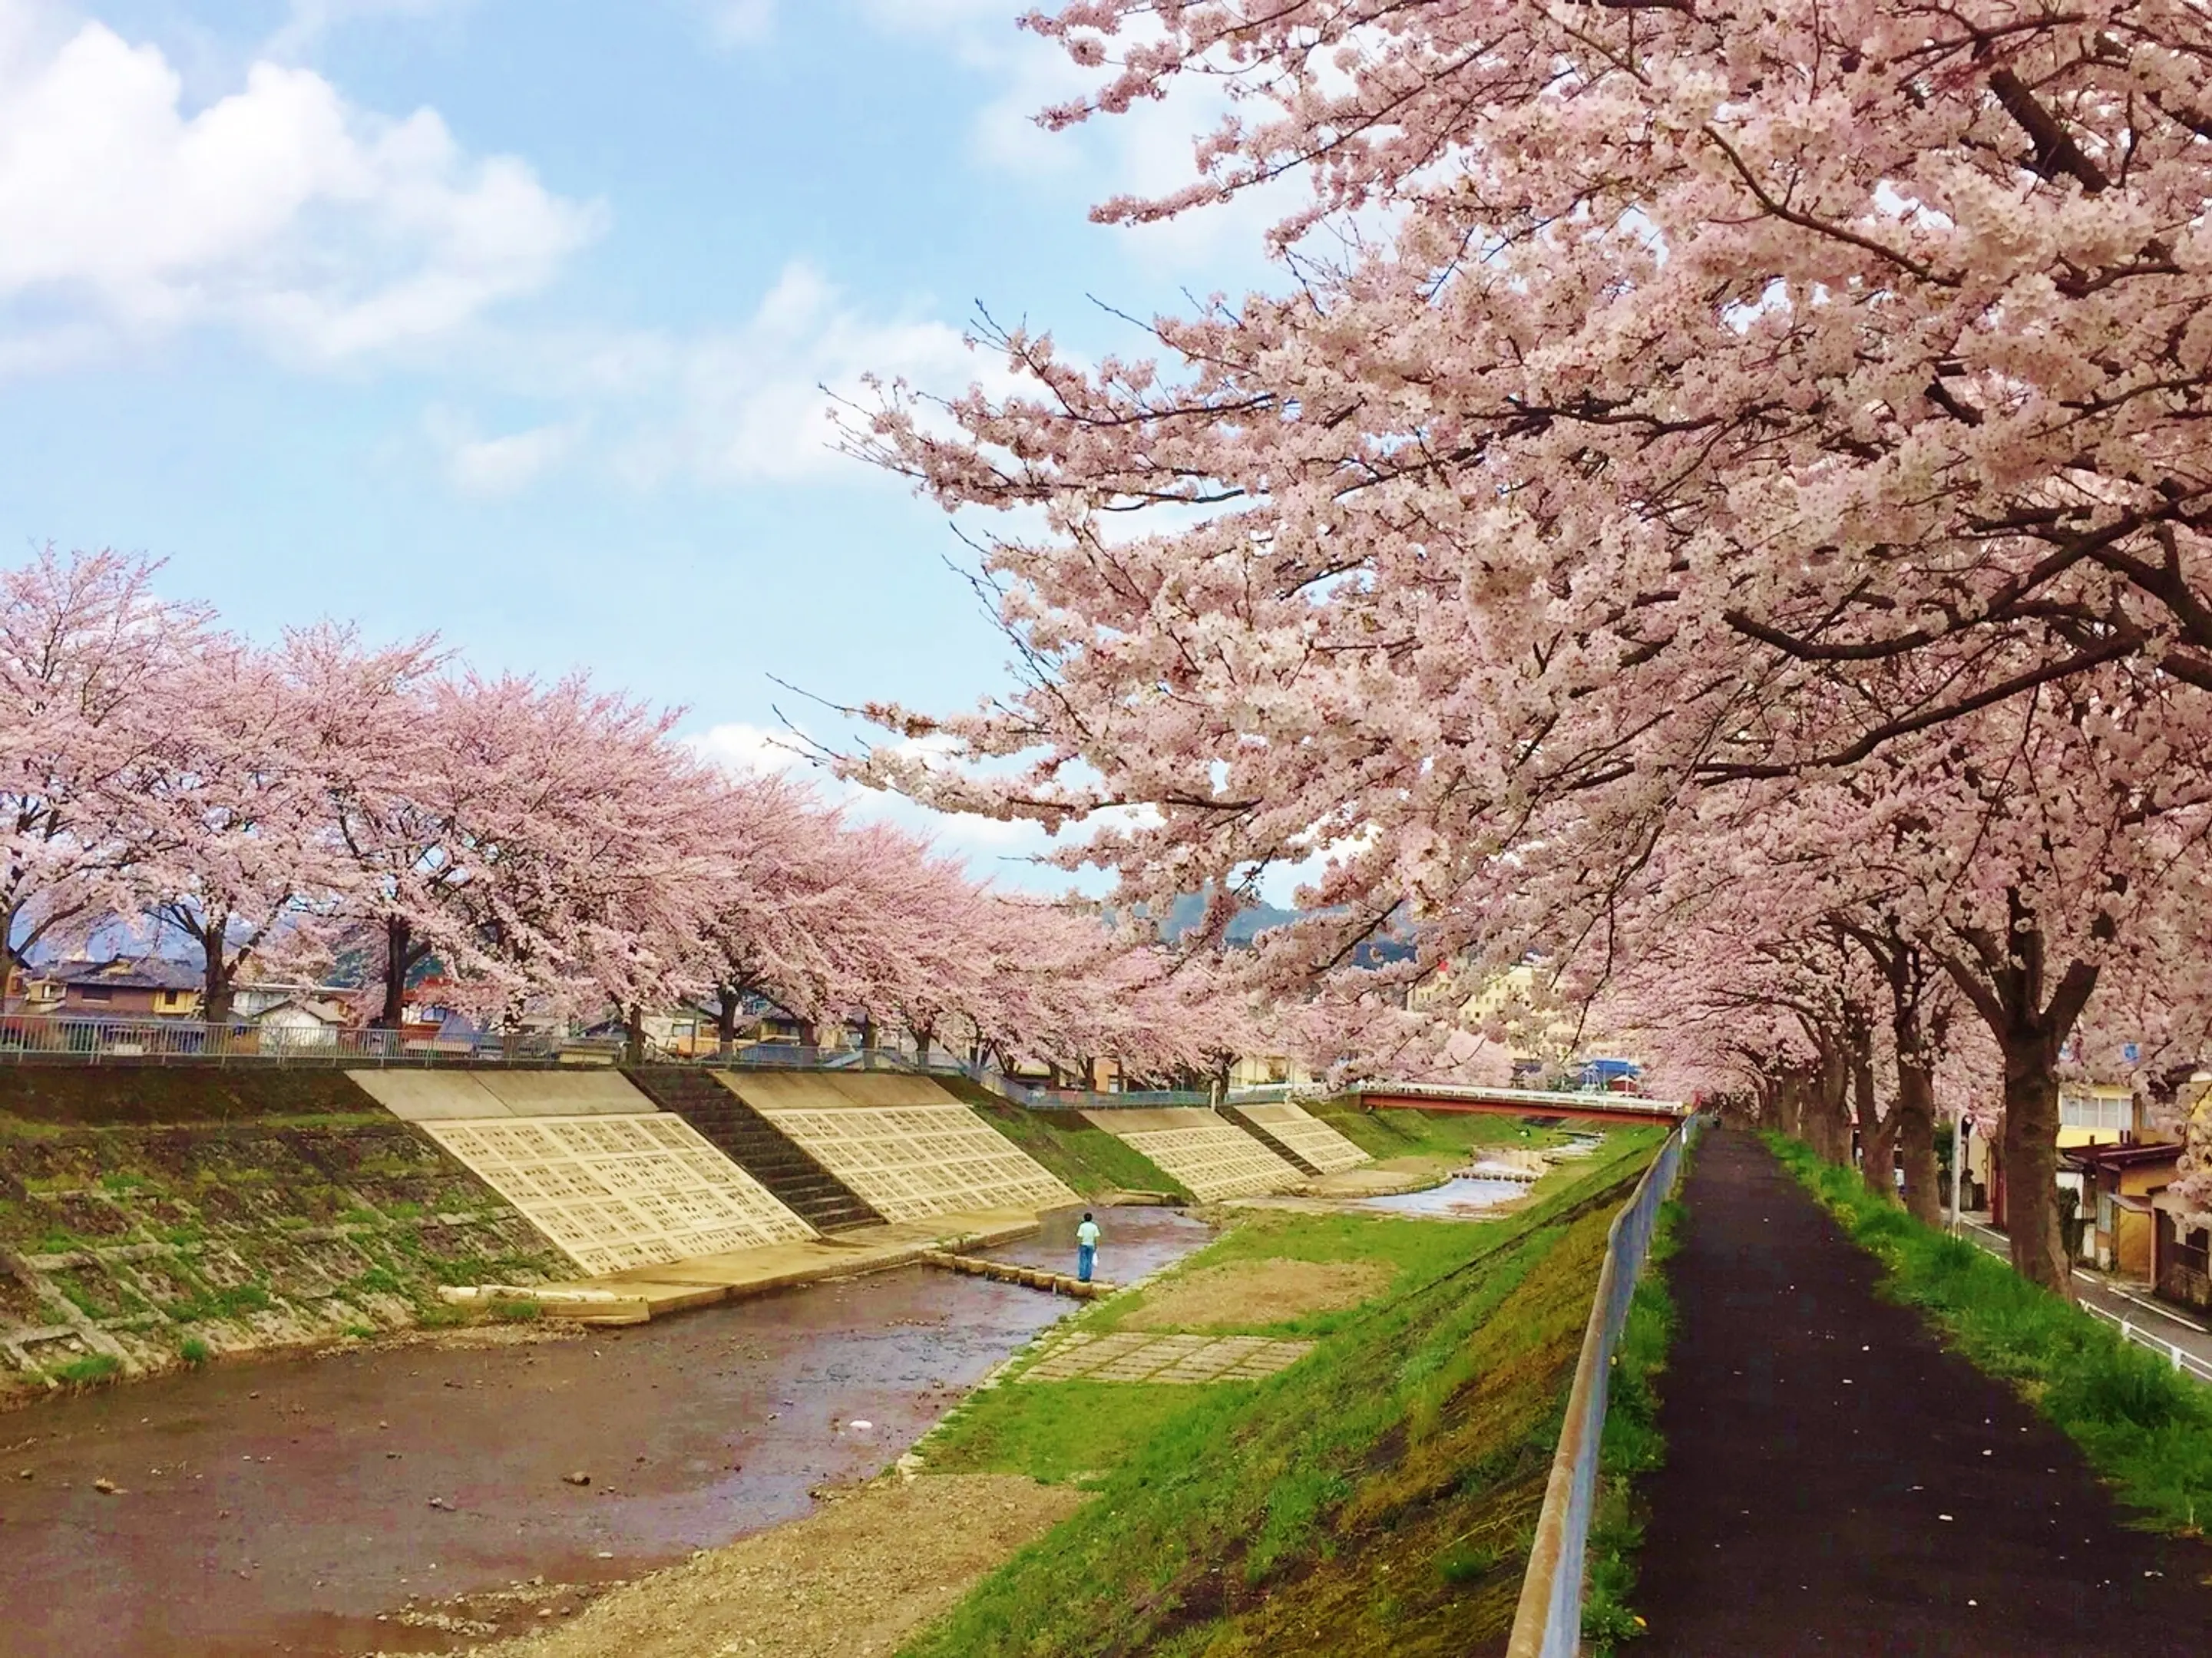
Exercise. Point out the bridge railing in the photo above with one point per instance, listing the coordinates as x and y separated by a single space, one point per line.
1548 1622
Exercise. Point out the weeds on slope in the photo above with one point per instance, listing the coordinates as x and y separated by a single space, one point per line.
1083 1157
1396 1133
2144 1427
1633 1448
1375 1498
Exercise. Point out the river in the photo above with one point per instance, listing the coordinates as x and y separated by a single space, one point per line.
331 1506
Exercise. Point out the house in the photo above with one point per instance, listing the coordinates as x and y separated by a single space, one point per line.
299 1023
2119 1185
122 988
2181 1256
2089 1114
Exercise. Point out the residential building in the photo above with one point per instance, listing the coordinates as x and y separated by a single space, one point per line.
122 988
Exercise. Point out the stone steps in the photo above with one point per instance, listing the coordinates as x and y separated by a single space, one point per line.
755 1145
1259 1132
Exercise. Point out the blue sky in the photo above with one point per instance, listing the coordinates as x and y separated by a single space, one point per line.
506 319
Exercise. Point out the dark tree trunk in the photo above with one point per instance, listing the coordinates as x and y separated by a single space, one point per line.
2031 1161
2008 993
1877 1132
727 1003
1915 1117
402 956
215 993
634 1034
1828 1128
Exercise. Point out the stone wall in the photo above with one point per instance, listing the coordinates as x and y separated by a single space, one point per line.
130 1246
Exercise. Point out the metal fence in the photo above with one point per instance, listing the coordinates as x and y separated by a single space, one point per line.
41 1039
2173 1352
1548 1622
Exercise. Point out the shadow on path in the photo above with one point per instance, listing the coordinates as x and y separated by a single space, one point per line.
1836 1482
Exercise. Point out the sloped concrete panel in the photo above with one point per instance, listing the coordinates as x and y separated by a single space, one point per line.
620 1192
429 1096
1306 1135
565 1093
1201 1150
911 1161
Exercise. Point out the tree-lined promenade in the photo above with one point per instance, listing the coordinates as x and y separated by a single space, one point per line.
551 847
1716 498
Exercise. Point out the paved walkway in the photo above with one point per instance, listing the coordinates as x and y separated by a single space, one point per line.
1837 1482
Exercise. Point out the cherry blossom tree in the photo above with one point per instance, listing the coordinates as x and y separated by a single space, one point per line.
86 652
363 721
223 814
1655 402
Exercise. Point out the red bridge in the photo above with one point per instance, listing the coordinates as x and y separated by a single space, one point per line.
1519 1102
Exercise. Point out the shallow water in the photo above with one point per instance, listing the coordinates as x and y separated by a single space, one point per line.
281 1507
1461 1198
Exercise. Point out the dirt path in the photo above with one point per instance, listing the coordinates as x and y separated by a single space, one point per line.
1837 1482
856 1578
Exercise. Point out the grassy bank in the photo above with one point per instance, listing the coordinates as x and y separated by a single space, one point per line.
1381 1490
119 1092
1386 1134
1084 1158
2143 1426
1631 1449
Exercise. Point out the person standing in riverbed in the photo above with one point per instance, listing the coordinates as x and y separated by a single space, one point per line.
1086 1247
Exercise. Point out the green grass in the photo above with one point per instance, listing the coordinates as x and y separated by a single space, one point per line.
2143 1426
1632 1448
518 1311
1386 1134
222 1304
195 1352
1063 1431
1086 1159
1417 1251
89 1371
1381 1490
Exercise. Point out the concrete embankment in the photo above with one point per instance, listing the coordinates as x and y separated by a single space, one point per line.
253 1211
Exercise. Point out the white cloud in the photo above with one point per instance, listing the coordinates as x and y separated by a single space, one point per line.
756 403
327 231
999 850
751 750
1146 150
738 22
496 465
307 21
747 405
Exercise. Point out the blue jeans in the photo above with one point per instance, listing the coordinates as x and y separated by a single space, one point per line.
1085 1254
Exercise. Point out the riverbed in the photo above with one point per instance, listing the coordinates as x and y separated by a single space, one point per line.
1461 1198
331 1506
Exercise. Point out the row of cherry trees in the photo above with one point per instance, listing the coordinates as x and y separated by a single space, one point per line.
549 846
1717 498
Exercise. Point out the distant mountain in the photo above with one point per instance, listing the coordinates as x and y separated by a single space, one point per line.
1249 923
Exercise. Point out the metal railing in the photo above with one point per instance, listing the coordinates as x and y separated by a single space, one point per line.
1548 1622
40 1038
2173 1352
1536 1099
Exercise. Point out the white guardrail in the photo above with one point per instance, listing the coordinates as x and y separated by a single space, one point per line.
2174 1353
2132 1330
1548 1622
